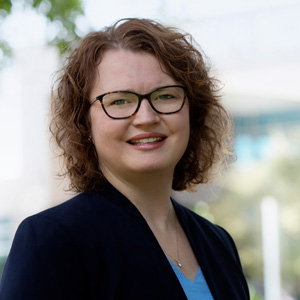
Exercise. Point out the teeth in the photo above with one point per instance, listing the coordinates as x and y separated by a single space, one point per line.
145 141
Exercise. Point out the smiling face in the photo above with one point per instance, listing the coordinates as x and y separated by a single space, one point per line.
147 142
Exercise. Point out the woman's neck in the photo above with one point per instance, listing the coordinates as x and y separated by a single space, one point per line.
150 194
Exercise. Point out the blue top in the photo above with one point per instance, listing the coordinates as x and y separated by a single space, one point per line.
194 290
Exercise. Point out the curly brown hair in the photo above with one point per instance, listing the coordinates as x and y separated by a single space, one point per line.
209 144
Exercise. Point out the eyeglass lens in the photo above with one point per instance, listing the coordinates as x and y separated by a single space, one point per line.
124 104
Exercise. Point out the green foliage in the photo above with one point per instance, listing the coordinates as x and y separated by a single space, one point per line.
2 263
64 13
61 13
254 295
5 52
6 5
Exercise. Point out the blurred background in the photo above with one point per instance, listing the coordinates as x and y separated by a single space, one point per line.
254 49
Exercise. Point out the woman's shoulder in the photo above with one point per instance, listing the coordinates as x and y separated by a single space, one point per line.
48 242
201 226
74 215
90 210
68 209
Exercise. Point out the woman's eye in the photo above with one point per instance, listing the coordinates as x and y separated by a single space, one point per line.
165 97
120 102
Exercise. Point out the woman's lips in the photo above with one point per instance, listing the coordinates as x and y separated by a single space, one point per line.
147 140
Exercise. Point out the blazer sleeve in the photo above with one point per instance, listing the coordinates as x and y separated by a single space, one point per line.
43 263
237 282
229 243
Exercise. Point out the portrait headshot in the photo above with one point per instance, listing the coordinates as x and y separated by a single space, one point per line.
136 115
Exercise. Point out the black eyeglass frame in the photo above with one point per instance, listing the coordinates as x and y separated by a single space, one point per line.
141 97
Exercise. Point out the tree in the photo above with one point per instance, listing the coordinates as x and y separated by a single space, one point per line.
62 13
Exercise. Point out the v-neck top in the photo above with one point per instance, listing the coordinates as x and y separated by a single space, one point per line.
97 245
194 290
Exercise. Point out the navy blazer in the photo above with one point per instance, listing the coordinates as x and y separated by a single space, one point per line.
98 246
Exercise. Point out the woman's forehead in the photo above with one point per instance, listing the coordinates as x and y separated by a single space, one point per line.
123 69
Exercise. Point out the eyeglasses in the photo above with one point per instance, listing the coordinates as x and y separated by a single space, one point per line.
124 104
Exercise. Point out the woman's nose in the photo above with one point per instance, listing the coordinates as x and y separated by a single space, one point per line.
145 115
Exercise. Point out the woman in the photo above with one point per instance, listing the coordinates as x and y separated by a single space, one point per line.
135 114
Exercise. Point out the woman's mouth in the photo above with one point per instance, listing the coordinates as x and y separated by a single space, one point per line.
146 141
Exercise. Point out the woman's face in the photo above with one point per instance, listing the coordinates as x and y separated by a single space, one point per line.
128 146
